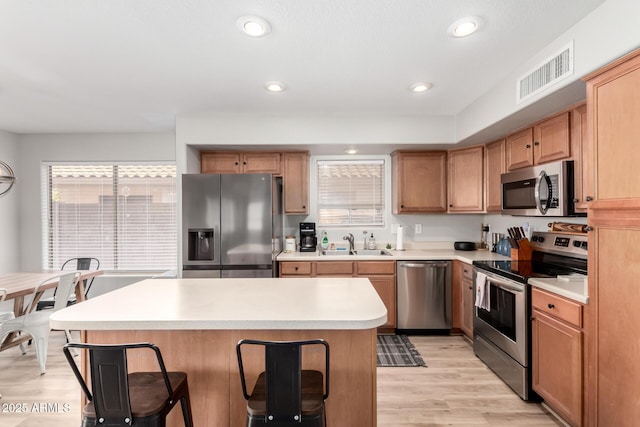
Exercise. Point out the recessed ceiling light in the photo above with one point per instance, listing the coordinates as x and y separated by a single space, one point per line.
464 27
275 86
253 26
420 87
351 150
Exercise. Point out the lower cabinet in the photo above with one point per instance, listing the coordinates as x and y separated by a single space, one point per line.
557 354
462 297
381 274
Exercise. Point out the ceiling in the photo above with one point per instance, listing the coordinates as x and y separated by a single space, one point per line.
132 65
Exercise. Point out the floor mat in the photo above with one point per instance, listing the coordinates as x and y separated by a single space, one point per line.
397 350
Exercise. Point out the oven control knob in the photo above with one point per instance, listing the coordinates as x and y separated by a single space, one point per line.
540 239
577 243
584 246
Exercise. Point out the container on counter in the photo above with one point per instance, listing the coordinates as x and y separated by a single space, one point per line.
290 244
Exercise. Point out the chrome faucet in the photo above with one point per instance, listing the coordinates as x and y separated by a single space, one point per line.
350 238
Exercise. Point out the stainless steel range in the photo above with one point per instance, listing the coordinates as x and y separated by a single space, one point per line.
502 328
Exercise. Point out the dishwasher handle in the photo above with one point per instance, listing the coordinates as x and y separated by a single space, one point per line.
423 264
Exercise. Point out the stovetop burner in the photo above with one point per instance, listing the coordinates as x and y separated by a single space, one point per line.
553 255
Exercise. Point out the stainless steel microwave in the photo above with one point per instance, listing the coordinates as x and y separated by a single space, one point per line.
544 190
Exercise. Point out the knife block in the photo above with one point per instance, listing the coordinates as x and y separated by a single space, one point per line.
523 252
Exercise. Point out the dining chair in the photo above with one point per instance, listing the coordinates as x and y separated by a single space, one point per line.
36 323
83 263
120 398
4 315
284 393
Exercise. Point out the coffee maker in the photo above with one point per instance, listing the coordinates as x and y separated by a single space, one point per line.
308 239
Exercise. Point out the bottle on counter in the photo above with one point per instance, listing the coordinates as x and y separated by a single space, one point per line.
371 243
290 244
325 240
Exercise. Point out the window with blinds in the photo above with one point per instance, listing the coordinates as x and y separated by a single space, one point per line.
122 214
350 192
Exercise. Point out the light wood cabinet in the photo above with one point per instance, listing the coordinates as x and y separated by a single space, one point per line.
419 181
296 183
557 354
612 335
495 165
465 180
228 162
292 166
582 161
546 141
462 297
381 274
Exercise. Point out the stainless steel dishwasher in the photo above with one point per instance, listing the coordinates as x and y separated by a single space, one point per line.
424 295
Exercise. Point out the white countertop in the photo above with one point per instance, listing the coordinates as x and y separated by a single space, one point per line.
407 255
575 290
273 303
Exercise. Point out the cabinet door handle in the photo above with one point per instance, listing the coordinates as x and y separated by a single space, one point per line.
551 306
588 228
528 146
576 200
588 198
244 163
236 163
402 206
536 143
470 287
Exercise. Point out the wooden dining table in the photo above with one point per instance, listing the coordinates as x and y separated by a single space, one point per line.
21 285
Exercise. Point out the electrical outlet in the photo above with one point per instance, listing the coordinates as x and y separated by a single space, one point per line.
418 228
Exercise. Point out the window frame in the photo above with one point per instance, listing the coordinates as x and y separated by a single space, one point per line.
384 190
46 217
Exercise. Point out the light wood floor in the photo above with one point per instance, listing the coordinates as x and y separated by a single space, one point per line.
455 390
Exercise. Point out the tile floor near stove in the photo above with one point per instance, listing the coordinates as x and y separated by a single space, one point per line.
456 389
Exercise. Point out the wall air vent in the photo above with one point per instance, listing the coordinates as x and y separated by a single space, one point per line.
551 71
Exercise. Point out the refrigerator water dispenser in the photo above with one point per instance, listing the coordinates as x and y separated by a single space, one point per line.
200 244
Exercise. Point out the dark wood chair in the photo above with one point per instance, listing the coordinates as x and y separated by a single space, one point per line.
285 394
119 398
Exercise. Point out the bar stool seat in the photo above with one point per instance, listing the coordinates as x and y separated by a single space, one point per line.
120 398
285 394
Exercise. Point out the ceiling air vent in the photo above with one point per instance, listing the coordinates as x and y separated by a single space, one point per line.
548 73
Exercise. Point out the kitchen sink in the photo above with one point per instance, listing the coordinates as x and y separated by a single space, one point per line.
368 252
333 252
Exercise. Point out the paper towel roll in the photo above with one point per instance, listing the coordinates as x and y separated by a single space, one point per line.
400 239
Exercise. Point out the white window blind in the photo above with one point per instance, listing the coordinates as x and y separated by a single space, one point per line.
350 192
122 214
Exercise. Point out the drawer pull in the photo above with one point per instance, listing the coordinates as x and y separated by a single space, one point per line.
295 268
551 306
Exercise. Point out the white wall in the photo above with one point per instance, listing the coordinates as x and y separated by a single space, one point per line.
9 218
606 34
37 148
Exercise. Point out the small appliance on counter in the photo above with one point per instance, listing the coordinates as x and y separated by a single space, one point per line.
308 239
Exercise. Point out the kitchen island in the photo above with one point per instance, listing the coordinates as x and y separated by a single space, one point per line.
197 323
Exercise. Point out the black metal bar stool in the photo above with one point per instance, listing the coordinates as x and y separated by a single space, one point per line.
285 394
119 398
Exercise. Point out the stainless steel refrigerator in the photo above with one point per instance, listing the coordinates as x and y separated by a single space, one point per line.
232 225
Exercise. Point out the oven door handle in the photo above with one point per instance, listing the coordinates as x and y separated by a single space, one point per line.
504 285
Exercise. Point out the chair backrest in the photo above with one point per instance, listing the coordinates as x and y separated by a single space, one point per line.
283 373
109 380
66 285
82 263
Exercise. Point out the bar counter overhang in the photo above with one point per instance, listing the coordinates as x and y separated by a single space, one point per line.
197 323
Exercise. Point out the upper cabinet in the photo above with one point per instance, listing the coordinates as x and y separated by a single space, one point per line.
292 166
495 165
419 181
546 141
582 164
296 182
465 187
225 162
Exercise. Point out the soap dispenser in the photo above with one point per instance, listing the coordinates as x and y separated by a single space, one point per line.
325 241
371 244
